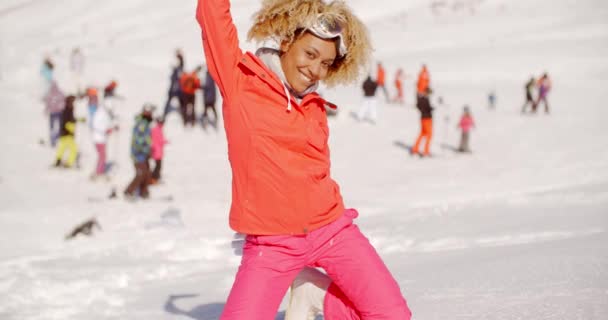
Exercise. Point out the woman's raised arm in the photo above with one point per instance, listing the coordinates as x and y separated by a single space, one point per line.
220 41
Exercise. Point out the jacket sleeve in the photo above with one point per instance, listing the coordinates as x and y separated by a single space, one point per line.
221 43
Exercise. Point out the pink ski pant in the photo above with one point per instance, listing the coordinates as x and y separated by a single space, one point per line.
362 287
101 158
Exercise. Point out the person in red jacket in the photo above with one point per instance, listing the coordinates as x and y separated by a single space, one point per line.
283 196
189 83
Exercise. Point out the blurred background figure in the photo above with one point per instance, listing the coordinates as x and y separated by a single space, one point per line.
492 100
209 97
544 86
174 87
369 103
158 149
424 80
66 135
102 128
381 80
141 146
189 83
465 124
77 68
529 87
46 73
399 77
426 124
92 102
54 103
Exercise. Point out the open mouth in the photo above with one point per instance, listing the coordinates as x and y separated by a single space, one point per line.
306 79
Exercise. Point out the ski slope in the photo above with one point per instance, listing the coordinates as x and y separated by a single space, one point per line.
516 230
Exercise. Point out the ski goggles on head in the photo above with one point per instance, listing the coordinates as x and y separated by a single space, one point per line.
326 27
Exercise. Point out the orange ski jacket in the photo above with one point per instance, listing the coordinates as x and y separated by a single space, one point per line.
423 81
277 147
380 76
189 83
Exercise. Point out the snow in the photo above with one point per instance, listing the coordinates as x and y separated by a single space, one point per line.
517 230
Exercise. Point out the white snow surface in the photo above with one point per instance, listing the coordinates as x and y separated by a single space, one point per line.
516 230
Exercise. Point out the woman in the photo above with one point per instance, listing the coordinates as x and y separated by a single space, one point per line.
283 197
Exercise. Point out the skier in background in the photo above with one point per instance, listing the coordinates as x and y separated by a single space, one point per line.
544 86
141 145
423 82
529 87
426 124
158 149
46 72
54 102
368 106
66 135
189 83
399 77
492 100
209 97
102 128
465 124
381 80
174 87
92 103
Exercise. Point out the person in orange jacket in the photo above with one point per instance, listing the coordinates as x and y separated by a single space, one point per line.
423 81
399 87
381 80
189 83
283 196
426 124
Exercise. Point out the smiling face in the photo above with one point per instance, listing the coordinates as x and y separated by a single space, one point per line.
307 60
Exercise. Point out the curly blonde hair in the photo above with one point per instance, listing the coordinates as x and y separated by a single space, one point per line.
282 19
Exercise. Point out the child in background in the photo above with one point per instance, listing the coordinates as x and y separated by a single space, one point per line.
465 124
158 146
